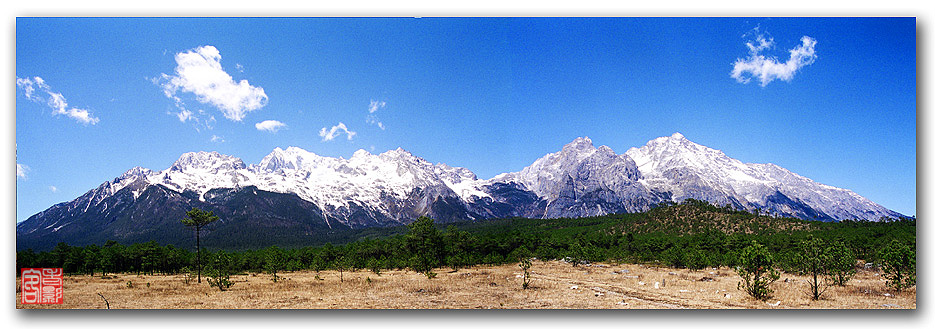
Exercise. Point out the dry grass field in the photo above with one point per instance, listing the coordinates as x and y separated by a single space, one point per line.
555 285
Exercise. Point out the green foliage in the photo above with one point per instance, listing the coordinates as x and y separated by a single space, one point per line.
275 262
522 255
425 245
899 265
703 235
342 263
673 256
197 219
814 262
219 270
319 263
577 254
187 275
375 265
756 271
696 259
457 243
842 261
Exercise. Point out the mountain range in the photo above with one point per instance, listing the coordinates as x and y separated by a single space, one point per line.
293 194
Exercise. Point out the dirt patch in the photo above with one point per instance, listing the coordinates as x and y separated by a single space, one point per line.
555 285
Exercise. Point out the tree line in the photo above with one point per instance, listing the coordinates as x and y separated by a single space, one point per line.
630 238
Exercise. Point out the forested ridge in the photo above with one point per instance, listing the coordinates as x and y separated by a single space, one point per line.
693 234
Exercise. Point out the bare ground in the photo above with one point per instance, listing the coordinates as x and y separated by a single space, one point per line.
555 285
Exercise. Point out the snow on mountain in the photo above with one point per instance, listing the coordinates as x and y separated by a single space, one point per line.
682 169
580 180
335 184
202 171
836 202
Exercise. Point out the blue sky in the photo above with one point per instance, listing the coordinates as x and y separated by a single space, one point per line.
491 95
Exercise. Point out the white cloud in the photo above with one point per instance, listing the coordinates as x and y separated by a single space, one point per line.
372 118
767 69
270 126
21 170
185 115
200 121
199 72
53 100
29 87
53 188
375 105
217 139
335 131
82 116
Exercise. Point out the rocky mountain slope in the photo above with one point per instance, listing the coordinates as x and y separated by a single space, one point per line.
296 192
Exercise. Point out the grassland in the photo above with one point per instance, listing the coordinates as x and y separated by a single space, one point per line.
555 285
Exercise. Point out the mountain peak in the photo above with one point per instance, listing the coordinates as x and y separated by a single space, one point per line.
290 158
676 140
131 175
207 160
580 144
360 153
135 172
398 152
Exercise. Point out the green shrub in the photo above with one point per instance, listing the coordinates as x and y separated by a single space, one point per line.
756 271
841 263
424 243
814 262
899 265
219 271
696 260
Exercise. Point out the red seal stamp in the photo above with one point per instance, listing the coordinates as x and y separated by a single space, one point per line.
41 286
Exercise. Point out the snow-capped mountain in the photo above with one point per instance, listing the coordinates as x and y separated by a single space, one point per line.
582 180
681 169
297 190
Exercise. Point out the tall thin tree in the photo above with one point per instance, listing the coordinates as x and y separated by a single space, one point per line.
197 219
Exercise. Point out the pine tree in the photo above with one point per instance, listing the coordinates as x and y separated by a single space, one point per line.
523 256
197 219
425 245
814 261
275 261
899 265
841 263
756 271
219 270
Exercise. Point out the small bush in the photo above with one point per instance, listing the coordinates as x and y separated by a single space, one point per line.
219 270
374 265
525 264
696 260
899 265
841 263
814 262
756 271
221 282
188 275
